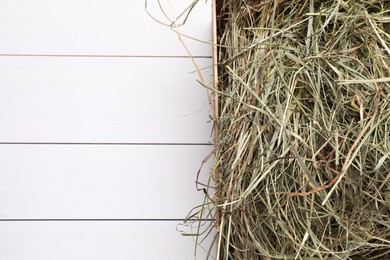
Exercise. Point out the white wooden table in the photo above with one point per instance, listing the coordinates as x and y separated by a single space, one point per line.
102 129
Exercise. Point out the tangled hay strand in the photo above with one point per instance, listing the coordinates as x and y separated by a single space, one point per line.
303 145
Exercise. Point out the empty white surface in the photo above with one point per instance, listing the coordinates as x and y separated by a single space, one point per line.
95 240
99 181
100 27
135 100
59 82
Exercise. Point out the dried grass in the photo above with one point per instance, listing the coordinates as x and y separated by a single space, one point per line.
302 161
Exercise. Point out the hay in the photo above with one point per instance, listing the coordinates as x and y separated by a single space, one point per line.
302 161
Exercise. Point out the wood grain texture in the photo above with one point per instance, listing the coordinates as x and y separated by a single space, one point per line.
100 182
135 100
103 27
95 240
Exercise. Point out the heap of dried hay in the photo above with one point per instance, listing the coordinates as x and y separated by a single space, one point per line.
303 130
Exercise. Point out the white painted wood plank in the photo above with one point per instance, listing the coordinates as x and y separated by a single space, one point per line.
100 27
95 241
136 100
99 181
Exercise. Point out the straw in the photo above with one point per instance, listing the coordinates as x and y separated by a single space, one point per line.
303 152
